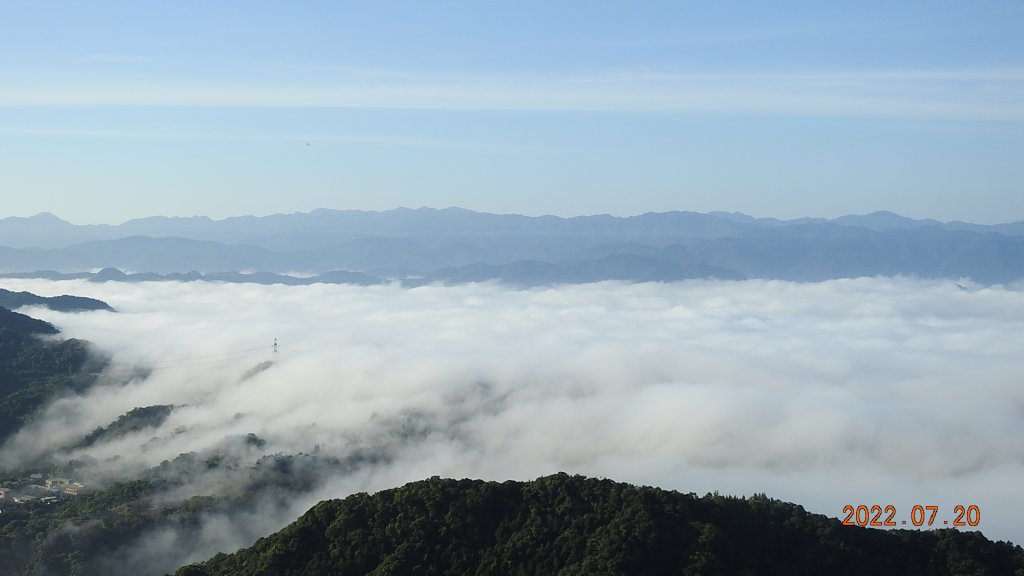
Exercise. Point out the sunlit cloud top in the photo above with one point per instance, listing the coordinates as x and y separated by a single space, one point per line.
868 390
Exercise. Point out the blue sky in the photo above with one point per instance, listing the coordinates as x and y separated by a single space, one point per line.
116 110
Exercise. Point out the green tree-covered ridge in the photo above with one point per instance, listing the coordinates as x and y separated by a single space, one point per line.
565 524
130 422
63 303
34 371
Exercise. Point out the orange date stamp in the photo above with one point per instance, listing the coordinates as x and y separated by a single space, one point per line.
886 516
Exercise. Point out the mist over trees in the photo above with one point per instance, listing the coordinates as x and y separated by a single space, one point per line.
34 372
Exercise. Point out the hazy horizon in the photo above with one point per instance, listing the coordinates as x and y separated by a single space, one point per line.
61 216
110 112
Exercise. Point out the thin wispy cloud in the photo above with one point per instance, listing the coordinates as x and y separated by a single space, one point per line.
968 93
214 134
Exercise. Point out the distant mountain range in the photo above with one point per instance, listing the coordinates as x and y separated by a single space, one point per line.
456 245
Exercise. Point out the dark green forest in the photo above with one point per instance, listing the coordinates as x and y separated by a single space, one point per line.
64 303
574 525
34 371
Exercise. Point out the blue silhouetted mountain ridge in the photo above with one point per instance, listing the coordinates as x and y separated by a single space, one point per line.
456 245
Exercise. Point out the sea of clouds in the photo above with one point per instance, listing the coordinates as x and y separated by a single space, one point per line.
867 391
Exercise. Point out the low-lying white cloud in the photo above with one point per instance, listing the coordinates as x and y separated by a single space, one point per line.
867 391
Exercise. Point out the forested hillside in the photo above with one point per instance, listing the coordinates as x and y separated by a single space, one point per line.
573 525
34 371
64 303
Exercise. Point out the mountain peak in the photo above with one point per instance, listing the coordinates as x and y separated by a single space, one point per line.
883 220
36 219
47 217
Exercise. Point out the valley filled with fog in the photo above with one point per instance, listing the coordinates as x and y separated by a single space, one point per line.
888 391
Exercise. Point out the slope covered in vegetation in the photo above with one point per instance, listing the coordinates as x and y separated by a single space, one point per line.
34 371
573 525
64 303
